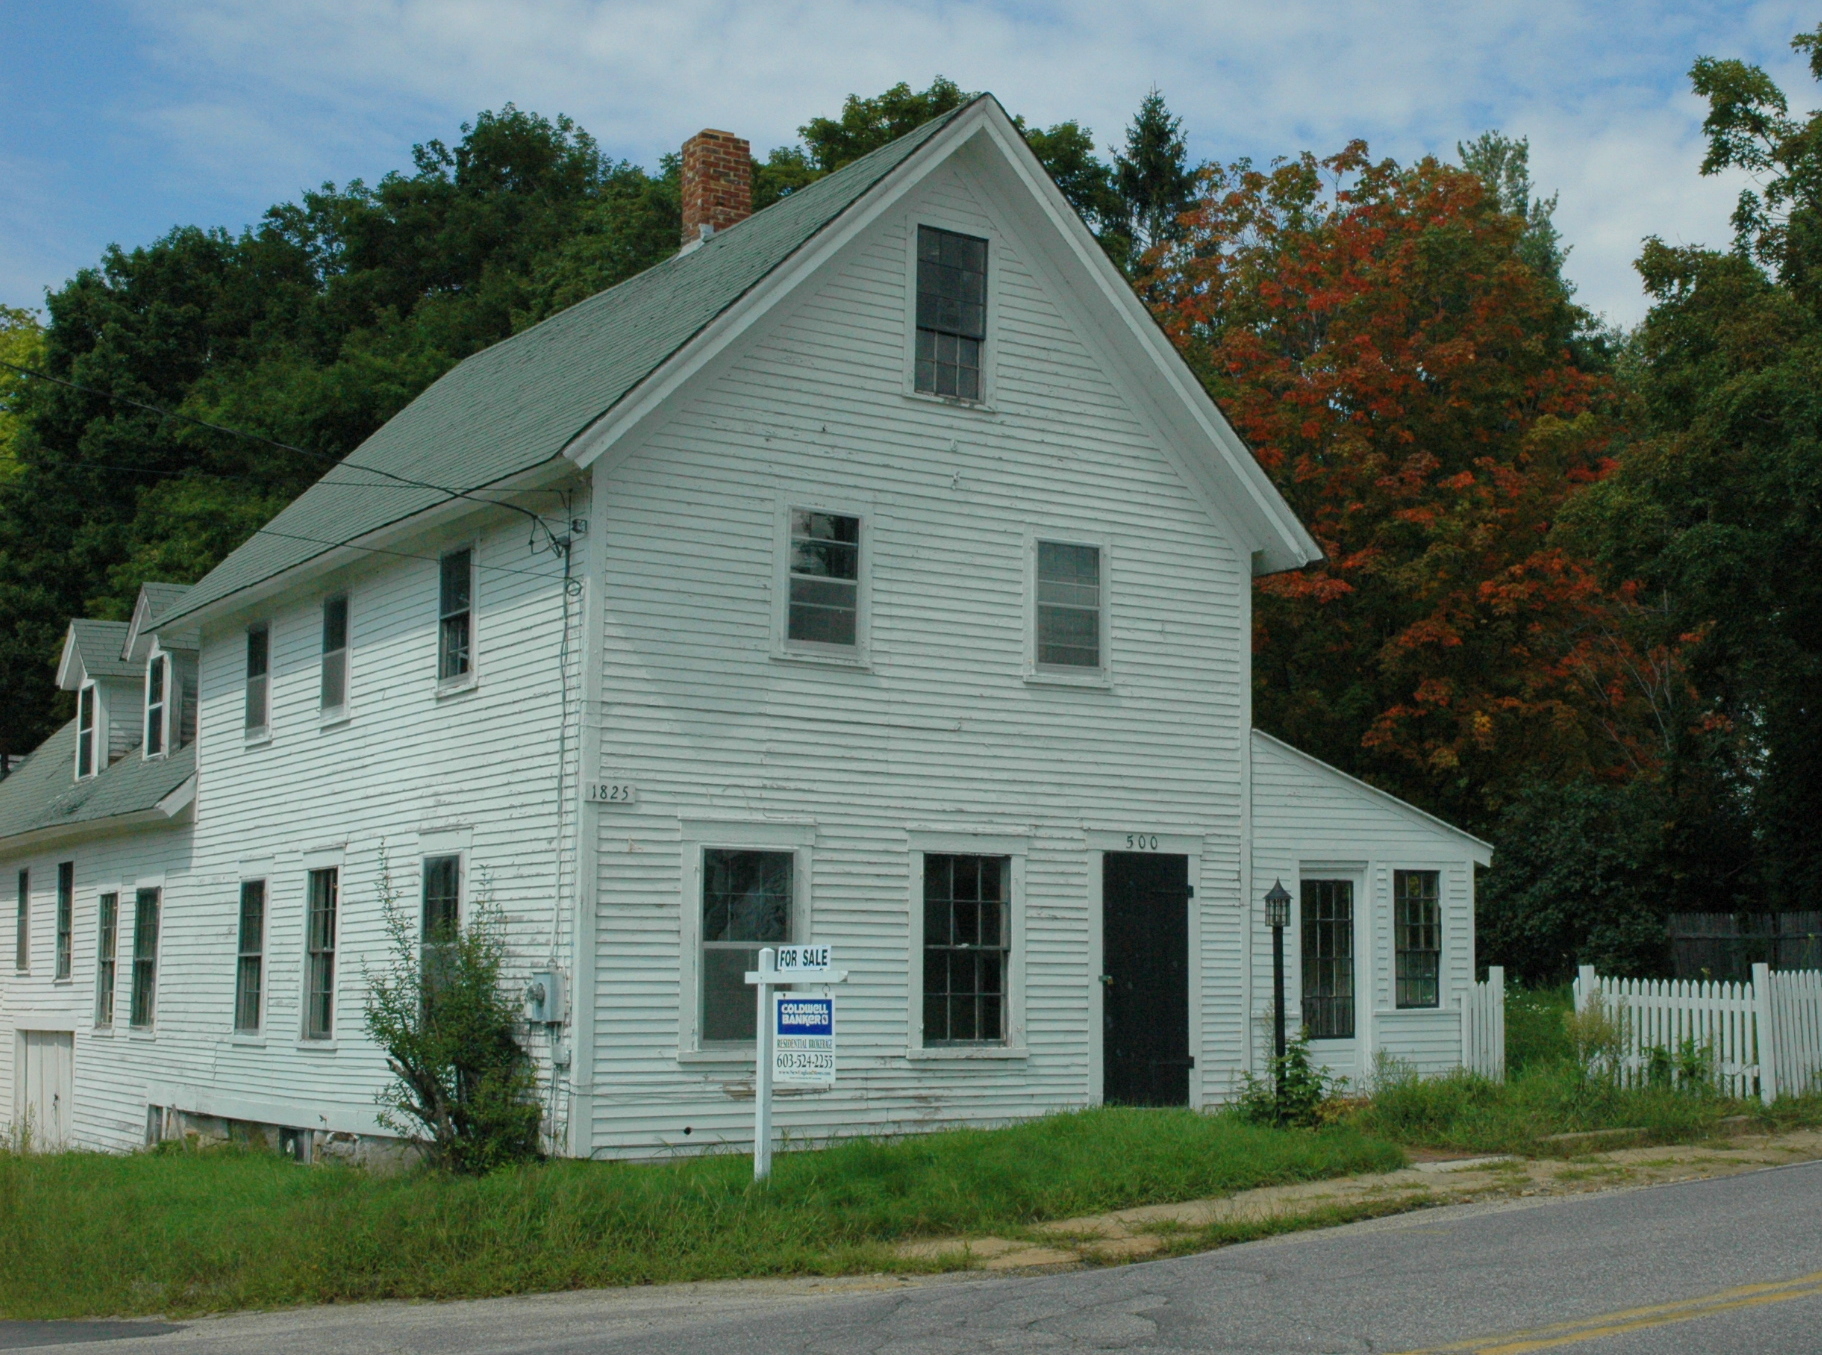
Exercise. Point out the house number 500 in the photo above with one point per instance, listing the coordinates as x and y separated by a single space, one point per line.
1142 842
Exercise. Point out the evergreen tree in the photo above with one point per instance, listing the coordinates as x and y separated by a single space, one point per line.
1153 178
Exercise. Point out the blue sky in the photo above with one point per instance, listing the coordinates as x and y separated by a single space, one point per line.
126 117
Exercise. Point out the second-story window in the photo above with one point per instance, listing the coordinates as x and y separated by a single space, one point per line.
455 616
335 654
66 916
157 680
1069 605
951 312
825 578
22 931
259 663
85 732
107 940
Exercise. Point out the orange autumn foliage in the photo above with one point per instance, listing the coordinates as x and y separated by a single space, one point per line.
1407 380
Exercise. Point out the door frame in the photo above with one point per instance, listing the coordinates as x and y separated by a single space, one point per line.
1099 844
1361 875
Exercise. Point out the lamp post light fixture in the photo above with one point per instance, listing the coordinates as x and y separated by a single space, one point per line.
1278 917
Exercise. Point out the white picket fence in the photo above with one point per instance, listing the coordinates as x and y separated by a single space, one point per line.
1483 1026
1759 1038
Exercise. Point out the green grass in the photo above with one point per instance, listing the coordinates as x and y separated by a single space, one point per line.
194 1231
1535 1032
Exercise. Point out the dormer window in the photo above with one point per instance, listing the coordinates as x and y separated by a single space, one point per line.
158 682
85 732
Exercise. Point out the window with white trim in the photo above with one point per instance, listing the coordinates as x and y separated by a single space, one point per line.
66 916
1328 959
335 655
85 732
951 312
967 949
824 569
259 664
107 944
746 904
1417 937
1069 595
22 927
442 917
158 683
319 954
145 957
250 960
455 616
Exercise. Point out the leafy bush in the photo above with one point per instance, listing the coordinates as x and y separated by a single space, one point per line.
462 1084
1293 1092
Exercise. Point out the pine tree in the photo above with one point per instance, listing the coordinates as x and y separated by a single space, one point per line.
1153 177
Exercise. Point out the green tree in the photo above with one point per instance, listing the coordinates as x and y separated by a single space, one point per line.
1153 179
21 345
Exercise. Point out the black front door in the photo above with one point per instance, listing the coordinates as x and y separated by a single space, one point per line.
1145 976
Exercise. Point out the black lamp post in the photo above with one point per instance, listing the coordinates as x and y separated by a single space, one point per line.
1278 917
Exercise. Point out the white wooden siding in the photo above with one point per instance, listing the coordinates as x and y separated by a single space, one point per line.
1310 821
940 732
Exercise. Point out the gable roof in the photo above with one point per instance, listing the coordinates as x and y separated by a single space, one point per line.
517 405
155 599
1484 850
40 798
93 649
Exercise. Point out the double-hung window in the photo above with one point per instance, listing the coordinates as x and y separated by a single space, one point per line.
158 681
22 933
442 917
967 946
319 966
259 665
1068 606
825 579
85 732
951 312
746 904
249 973
1417 925
66 916
145 957
1328 959
107 942
455 616
335 655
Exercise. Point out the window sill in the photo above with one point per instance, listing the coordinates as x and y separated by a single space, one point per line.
256 738
317 1046
63 983
243 1039
1395 1012
952 402
854 663
335 719
1092 681
105 1032
945 1053
447 691
733 1054
146 1033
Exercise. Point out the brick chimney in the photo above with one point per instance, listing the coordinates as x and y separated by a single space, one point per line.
717 184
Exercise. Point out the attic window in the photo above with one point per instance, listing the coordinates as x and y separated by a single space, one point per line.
157 682
335 656
951 312
259 662
455 617
85 732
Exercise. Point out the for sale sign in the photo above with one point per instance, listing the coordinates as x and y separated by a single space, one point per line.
803 1040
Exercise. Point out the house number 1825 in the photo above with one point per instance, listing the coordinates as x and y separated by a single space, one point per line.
611 792
1141 842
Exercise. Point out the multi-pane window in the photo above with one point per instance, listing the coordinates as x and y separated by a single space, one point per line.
455 612
825 578
1069 605
319 966
967 943
107 941
442 915
1328 959
22 927
157 680
249 973
259 664
951 312
746 904
85 732
66 916
335 653
145 956
1417 944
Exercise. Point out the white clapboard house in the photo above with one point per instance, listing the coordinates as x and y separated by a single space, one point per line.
873 573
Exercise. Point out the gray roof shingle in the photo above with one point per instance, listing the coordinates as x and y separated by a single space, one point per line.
518 404
41 793
98 644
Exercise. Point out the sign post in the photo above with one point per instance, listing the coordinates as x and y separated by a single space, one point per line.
796 1034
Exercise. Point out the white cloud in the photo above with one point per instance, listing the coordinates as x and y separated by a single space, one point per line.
257 100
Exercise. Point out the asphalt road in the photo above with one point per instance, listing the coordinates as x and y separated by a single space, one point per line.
1715 1267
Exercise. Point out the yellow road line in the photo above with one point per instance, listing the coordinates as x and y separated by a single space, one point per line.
1633 1319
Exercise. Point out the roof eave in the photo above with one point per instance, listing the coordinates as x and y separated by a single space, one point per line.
170 812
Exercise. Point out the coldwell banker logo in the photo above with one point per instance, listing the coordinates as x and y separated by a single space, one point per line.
806 1016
